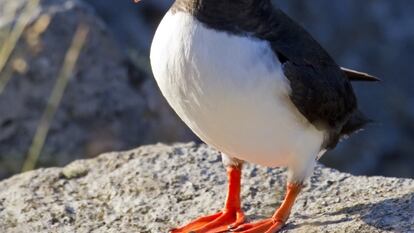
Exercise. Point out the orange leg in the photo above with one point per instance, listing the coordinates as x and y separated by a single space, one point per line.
230 217
278 220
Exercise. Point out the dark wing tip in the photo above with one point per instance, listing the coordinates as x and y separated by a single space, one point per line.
354 75
355 123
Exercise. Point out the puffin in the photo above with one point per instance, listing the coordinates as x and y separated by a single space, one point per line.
255 85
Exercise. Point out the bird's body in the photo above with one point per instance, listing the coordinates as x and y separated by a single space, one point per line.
231 91
255 85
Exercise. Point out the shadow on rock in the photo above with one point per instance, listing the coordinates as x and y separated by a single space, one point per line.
394 214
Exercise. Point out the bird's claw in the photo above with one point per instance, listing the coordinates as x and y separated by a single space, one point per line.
264 226
219 222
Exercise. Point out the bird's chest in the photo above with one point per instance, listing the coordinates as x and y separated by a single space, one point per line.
229 90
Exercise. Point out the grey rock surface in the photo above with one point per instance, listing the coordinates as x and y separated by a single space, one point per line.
153 188
109 104
112 102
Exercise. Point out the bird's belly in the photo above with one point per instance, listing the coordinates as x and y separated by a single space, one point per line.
252 131
231 92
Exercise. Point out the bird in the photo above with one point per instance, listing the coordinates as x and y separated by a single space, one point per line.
254 84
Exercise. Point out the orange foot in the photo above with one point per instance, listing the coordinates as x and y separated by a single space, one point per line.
220 222
230 217
265 226
277 221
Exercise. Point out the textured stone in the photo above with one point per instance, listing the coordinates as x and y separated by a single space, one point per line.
153 188
113 103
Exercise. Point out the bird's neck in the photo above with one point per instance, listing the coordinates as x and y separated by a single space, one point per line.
228 15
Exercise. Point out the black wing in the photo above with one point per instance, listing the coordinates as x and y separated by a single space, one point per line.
321 91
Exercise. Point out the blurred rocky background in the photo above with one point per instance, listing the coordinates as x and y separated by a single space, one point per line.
112 103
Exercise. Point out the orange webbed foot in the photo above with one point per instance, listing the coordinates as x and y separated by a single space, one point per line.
277 221
231 216
219 222
263 226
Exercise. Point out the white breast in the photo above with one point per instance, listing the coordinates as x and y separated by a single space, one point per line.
231 91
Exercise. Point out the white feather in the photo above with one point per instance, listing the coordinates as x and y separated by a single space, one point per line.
231 91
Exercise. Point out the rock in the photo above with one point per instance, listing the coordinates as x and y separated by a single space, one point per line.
109 104
112 102
153 188
132 24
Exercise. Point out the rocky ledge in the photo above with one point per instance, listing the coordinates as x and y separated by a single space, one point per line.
153 188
